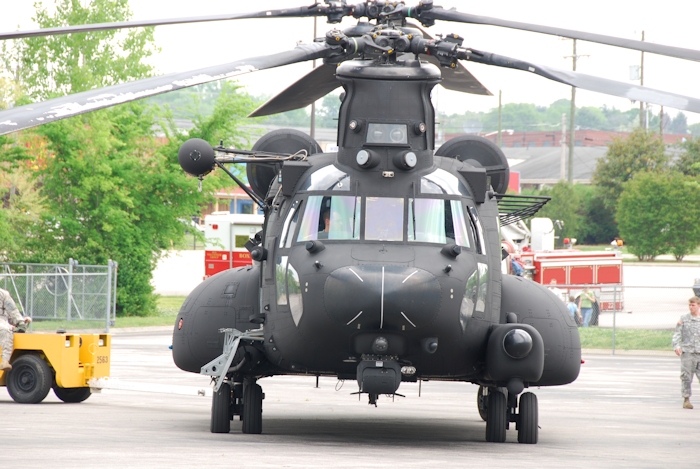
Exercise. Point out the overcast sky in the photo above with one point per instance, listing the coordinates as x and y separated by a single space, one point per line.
672 22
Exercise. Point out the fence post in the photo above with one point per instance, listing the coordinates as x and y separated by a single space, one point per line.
109 296
70 288
614 317
115 267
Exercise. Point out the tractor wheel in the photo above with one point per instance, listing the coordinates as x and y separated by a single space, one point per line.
29 380
71 395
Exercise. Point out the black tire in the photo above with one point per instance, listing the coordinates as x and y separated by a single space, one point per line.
528 419
252 408
482 403
497 413
220 410
71 395
29 380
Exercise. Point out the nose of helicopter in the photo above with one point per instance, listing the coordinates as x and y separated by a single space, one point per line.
393 298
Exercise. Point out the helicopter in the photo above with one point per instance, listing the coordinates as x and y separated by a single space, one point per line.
380 262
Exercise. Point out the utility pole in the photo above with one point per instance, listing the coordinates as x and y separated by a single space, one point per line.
642 114
572 120
498 137
661 123
562 174
312 125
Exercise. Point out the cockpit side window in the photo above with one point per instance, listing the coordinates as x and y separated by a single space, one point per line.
437 221
330 217
478 230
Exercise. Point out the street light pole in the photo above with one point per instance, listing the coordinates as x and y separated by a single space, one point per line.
572 123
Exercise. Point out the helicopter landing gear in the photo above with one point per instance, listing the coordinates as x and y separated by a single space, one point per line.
496 416
373 399
252 407
498 411
528 419
482 402
221 410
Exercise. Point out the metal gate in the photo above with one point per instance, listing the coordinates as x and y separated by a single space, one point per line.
64 292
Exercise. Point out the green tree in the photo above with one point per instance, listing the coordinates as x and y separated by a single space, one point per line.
658 213
679 124
564 207
597 221
327 113
688 161
591 118
64 64
641 151
520 117
111 189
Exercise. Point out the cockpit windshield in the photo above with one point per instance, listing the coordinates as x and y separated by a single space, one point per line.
331 217
437 221
430 220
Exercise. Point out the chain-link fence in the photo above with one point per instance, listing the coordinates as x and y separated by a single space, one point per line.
622 308
63 292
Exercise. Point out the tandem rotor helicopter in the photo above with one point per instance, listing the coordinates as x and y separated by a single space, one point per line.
380 262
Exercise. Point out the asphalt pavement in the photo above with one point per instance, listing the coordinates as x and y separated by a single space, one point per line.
622 412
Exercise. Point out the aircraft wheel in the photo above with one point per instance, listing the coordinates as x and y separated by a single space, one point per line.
29 380
220 410
252 408
496 417
528 419
71 395
482 402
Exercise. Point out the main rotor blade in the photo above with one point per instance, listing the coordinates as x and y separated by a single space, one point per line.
300 12
456 79
591 83
32 115
452 15
309 88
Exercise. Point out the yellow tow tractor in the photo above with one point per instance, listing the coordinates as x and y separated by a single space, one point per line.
63 361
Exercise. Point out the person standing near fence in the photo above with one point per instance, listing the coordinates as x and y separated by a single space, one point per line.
574 311
686 344
9 318
585 305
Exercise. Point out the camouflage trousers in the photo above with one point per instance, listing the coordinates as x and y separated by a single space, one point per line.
689 368
7 344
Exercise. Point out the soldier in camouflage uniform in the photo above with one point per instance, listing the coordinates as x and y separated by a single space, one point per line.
9 318
686 343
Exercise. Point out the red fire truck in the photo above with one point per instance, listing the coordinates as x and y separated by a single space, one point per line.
226 234
570 269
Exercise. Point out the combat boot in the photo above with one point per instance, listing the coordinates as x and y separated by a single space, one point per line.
5 366
687 404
